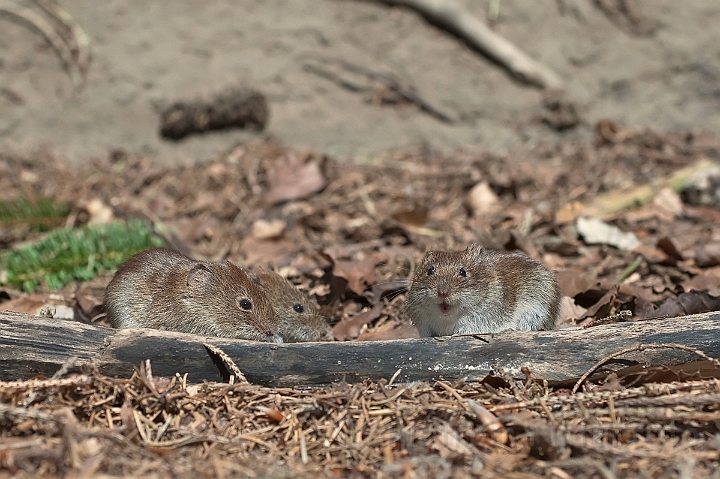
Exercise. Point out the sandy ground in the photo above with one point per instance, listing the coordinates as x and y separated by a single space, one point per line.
147 54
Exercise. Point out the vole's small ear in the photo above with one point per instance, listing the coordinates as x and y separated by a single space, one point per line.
199 279
253 274
475 250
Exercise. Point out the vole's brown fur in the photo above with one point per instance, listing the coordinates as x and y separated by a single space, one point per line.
299 316
164 289
481 291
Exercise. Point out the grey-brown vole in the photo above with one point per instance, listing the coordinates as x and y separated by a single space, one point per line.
481 291
163 289
299 316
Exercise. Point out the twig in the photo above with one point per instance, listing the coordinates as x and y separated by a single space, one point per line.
686 400
407 93
609 204
227 361
40 25
626 15
62 371
394 377
80 38
457 396
493 426
623 315
630 269
450 16
641 347
44 383
16 412
597 397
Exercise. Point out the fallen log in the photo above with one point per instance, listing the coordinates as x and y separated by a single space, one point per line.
30 346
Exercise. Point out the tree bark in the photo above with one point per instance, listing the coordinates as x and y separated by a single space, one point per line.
30 346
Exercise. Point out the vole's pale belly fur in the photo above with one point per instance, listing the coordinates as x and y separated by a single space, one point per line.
486 315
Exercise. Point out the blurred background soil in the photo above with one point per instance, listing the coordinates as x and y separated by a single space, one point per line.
145 55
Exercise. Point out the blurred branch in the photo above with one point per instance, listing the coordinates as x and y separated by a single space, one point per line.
395 89
81 42
75 61
450 16
609 204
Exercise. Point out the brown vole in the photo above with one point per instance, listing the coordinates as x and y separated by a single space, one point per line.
164 289
299 316
481 291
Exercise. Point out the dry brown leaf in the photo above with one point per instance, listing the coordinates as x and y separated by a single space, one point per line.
267 253
702 213
417 216
708 281
358 273
90 305
40 305
669 201
482 200
390 330
192 230
204 200
290 179
350 328
265 230
653 254
707 255
643 308
601 308
569 311
693 302
573 283
569 213
696 302
669 248
668 309
100 213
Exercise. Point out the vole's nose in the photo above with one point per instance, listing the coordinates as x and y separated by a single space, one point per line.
443 290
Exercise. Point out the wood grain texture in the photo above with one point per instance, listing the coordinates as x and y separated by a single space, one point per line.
30 346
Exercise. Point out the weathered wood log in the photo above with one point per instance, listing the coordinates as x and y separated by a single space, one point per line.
31 345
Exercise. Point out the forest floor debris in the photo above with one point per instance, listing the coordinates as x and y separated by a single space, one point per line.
350 235
89 424
350 232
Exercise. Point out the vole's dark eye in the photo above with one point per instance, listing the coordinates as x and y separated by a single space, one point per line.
431 270
462 272
298 308
245 304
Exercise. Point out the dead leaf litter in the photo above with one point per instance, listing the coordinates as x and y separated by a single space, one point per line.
349 232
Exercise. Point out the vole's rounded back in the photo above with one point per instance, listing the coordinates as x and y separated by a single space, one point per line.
164 289
481 291
299 316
